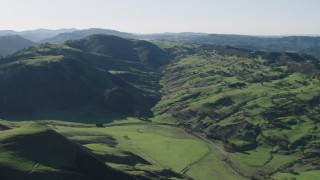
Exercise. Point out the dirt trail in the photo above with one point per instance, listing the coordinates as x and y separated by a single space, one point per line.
34 168
184 170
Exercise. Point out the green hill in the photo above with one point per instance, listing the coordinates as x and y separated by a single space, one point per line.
12 43
128 50
96 72
34 151
254 102
200 111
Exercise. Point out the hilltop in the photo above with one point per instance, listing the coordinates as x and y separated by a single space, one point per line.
12 43
79 34
37 34
96 73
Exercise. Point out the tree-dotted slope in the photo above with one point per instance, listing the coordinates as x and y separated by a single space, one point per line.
102 72
248 100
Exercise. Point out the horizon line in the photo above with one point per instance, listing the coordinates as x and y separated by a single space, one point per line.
153 33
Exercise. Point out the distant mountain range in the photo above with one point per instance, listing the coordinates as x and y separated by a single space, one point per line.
36 35
171 36
11 41
303 44
76 35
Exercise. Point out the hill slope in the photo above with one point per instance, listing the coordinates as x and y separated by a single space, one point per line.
37 34
263 104
76 35
303 44
12 43
34 151
96 72
128 50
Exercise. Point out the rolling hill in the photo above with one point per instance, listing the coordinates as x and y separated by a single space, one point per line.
302 44
204 111
79 34
262 105
27 153
12 43
100 72
171 36
37 34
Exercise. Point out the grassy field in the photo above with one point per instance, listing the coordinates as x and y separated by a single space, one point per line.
32 150
160 146
210 168
137 147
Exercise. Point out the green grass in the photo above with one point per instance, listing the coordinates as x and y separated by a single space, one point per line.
12 157
37 61
162 145
27 129
283 104
204 90
35 149
165 147
211 168
309 175
260 158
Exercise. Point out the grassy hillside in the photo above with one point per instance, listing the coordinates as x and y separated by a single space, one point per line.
147 149
212 112
143 149
34 151
263 106
96 73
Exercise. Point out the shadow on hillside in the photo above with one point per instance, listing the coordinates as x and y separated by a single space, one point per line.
77 115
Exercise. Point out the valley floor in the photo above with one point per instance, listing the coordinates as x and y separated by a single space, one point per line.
162 146
154 150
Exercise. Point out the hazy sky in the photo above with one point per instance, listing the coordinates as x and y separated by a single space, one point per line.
258 17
